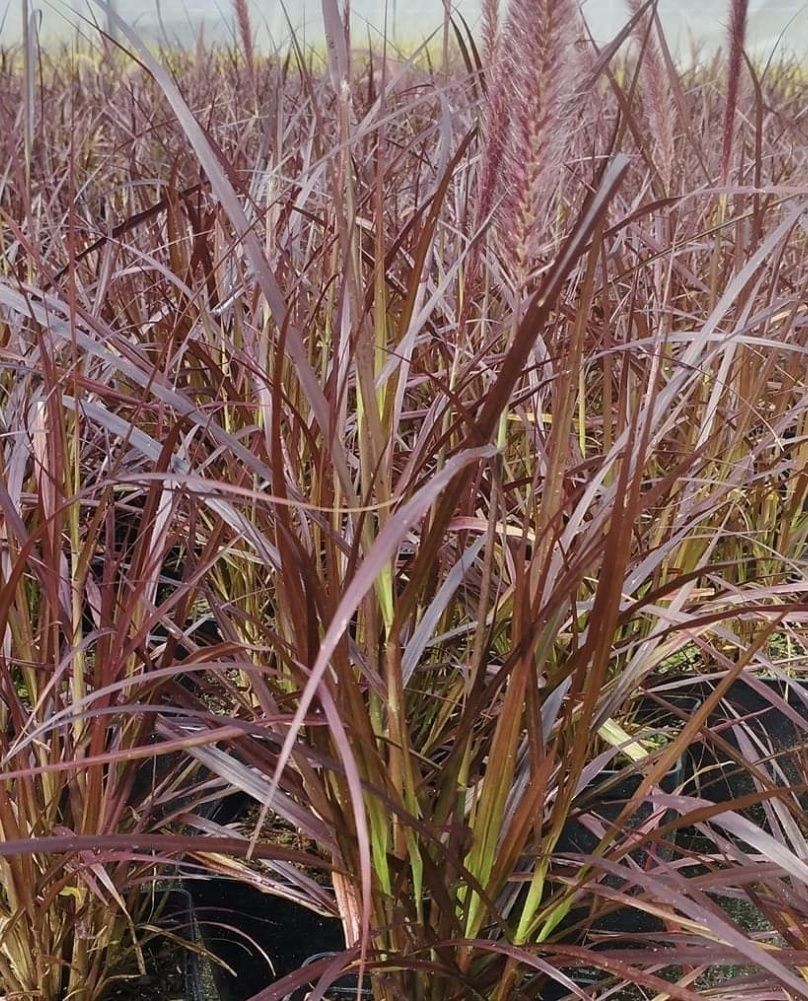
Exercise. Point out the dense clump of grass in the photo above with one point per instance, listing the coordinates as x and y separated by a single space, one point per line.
414 444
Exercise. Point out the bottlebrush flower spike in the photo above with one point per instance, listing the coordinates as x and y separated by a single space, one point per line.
658 100
494 131
490 31
538 64
493 128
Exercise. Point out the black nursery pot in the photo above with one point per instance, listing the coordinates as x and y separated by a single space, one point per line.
604 801
172 971
711 773
262 939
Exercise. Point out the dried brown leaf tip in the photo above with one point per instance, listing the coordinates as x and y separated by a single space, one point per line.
529 124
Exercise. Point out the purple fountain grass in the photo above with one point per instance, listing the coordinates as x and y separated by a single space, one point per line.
209 544
493 130
490 30
737 34
538 85
659 107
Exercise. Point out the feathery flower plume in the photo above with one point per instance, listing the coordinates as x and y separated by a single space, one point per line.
539 79
490 31
492 128
737 35
245 33
659 108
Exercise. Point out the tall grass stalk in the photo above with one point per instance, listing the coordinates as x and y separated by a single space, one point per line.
736 36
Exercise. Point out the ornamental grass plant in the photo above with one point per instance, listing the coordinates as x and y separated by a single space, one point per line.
374 432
